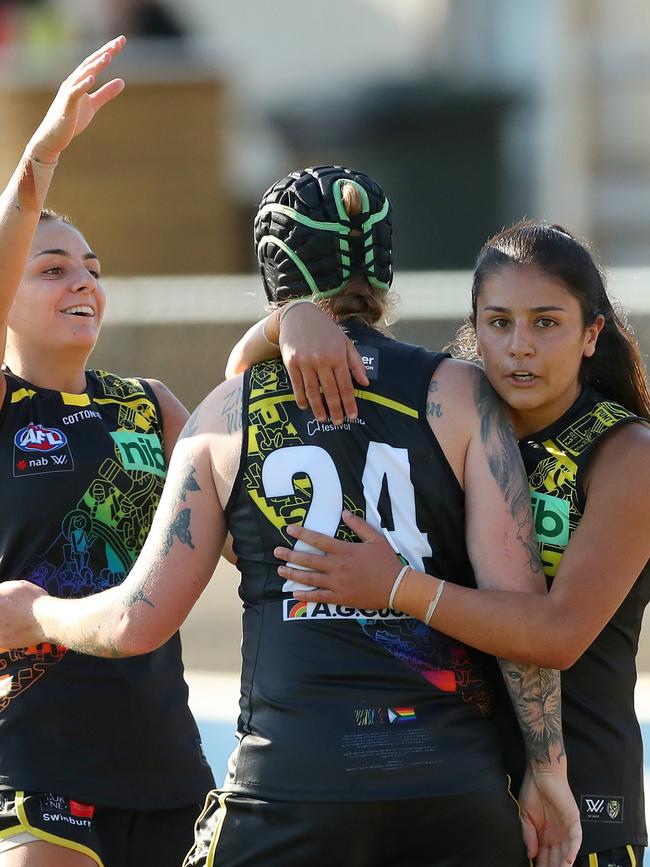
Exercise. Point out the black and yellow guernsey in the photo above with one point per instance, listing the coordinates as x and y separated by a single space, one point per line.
601 732
81 478
340 703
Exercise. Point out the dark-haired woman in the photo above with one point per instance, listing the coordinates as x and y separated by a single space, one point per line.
570 372
100 761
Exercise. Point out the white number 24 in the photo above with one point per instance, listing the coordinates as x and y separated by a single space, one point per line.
382 462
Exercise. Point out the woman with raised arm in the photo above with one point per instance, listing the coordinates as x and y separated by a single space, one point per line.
570 372
100 760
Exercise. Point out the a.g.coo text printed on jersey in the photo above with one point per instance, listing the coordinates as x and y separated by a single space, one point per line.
303 611
39 449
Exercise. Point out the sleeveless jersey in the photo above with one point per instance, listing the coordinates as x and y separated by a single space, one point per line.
340 703
82 476
601 732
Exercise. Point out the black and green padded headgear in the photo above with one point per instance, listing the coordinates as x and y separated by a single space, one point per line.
306 243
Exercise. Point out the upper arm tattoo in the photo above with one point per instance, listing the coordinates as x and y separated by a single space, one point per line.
180 526
232 409
434 408
504 461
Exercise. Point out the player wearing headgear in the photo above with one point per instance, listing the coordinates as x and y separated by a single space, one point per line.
364 736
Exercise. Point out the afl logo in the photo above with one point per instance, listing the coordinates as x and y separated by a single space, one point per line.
36 438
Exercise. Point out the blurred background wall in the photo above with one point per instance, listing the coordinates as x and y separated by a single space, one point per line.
472 114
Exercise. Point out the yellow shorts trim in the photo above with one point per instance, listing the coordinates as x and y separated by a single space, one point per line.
593 860
51 838
223 797
11 832
630 852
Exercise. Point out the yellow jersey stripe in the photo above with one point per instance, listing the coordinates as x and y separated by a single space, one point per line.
254 406
21 394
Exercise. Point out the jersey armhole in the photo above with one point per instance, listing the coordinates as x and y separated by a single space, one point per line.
589 454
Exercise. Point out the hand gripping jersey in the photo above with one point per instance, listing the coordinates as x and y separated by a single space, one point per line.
339 703
601 732
81 479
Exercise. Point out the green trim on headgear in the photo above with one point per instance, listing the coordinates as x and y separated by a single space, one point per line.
271 239
364 251
322 225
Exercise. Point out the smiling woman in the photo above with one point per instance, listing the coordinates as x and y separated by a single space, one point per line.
83 455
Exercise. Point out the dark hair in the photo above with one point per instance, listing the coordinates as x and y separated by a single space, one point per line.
615 369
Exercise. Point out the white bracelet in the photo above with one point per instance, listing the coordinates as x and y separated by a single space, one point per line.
400 576
434 602
288 306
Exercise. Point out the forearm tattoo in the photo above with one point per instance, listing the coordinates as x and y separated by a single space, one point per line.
505 464
537 701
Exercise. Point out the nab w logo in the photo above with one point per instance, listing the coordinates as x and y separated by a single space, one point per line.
140 451
595 806
36 438
551 519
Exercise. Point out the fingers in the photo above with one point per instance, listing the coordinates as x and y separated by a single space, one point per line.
313 393
106 93
346 391
332 397
362 528
355 364
324 543
298 385
100 58
301 558
319 595
300 576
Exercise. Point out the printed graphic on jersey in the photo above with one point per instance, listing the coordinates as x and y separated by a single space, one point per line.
140 452
602 808
304 611
36 438
551 516
59 809
20 669
100 538
442 662
39 449
370 357
269 429
553 480
401 714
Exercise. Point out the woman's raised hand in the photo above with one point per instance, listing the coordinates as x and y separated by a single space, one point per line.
74 106
318 355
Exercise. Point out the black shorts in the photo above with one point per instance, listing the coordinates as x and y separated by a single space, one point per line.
623 856
110 837
452 831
